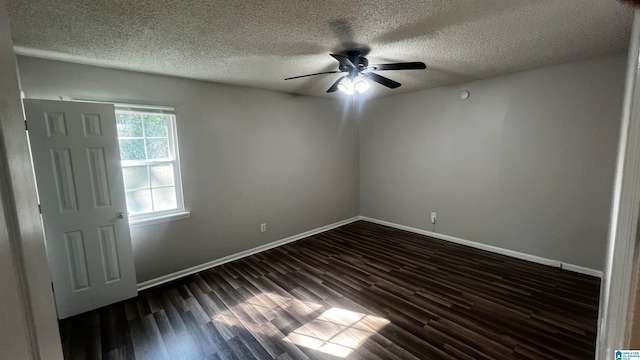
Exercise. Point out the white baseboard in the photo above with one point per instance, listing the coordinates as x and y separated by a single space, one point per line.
192 270
582 270
493 249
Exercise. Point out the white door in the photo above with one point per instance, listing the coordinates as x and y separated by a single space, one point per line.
77 165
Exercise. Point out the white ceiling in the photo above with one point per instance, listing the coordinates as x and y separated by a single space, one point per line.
259 43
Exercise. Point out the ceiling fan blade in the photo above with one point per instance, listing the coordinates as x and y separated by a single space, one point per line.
381 80
334 87
320 73
401 66
344 60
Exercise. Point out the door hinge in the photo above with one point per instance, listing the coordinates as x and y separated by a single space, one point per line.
26 127
52 288
39 209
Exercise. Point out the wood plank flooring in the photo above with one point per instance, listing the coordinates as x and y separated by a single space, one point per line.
361 291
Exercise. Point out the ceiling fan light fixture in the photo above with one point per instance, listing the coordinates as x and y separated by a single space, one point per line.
360 85
357 85
346 86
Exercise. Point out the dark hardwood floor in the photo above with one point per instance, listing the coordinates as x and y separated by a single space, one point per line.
362 291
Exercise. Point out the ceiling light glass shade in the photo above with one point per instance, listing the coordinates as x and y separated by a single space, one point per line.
360 85
346 86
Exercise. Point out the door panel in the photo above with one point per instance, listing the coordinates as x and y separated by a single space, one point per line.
77 165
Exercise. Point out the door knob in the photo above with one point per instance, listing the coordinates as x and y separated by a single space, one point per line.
120 215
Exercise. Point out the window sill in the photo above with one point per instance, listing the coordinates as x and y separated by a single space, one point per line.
159 219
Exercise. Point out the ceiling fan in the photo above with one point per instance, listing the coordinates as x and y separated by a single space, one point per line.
358 71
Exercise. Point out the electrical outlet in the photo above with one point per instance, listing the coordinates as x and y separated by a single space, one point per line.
433 217
263 227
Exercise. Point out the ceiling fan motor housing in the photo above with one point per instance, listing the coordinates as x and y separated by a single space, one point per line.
357 59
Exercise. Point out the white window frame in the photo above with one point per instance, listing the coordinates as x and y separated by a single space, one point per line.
174 155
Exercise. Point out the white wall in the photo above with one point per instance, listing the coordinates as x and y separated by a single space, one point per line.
526 163
248 156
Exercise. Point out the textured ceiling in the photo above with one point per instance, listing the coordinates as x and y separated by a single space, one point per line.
259 43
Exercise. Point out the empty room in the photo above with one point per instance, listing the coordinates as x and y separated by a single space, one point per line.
319 180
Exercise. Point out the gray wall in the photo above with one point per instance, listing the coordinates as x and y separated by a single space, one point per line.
248 156
526 163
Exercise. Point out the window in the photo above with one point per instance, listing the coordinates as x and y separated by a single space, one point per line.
150 164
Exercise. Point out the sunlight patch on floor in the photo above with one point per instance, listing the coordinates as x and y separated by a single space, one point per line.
337 332
262 308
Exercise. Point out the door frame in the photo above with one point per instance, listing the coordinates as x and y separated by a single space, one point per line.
616 289
34 333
